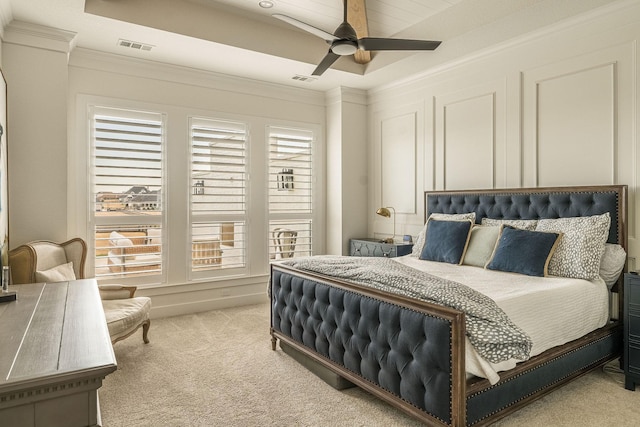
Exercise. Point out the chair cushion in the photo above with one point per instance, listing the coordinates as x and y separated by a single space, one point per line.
125 315
49 255
61 273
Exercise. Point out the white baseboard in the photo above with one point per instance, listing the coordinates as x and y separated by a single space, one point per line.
182 308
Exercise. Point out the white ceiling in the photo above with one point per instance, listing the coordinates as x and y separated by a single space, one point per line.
239 38
385 17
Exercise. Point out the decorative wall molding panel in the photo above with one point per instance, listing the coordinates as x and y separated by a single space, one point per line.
398 165
467 137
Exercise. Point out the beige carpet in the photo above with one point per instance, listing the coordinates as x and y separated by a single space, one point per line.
217 369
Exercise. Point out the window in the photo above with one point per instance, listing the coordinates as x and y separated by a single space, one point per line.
171 195
218 195
290 192
127 181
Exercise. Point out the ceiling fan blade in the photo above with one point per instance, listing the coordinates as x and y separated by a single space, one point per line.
306 27
357 17
326 62
373 43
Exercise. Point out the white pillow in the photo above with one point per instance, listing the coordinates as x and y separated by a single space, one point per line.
524 224
61 273
612 263
417 247
580 251
481 245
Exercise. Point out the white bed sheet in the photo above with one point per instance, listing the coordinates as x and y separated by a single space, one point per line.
551 310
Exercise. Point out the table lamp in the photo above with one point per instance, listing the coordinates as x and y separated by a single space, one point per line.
385 212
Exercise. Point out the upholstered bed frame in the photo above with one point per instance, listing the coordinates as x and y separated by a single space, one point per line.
328 323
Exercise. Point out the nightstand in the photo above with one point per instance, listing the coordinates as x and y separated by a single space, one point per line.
631 331
374 247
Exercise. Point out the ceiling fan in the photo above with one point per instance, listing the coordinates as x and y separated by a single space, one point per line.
345 40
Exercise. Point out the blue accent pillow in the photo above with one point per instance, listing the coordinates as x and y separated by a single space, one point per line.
446 241
524 251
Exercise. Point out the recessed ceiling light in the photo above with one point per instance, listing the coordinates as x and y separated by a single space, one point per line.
266 4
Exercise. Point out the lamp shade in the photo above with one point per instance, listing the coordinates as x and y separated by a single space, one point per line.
384 212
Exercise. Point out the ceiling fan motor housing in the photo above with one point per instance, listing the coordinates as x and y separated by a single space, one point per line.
345 32
346 42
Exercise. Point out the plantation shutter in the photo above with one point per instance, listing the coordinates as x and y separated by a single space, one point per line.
218 195
127 182
290 192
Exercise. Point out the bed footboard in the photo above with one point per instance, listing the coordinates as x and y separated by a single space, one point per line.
404 351
540 375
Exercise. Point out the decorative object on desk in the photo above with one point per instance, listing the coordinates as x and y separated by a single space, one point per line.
6 296
385 212
407 238
6 278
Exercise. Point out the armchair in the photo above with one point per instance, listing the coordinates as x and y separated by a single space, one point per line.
45 261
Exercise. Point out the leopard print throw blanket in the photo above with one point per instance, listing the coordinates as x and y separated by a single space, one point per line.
495 337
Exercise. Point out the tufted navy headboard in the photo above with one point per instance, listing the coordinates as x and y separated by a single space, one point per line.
536 203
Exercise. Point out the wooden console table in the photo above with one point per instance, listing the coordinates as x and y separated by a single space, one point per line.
54 353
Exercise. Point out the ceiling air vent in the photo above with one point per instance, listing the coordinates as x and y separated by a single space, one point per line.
134 45
304 78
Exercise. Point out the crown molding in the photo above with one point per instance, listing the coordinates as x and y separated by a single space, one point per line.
345 94
6 15
39 36
136 67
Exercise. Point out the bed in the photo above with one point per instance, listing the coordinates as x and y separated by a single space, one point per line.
413 352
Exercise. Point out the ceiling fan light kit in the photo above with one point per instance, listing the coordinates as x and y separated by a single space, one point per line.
344 40
344 47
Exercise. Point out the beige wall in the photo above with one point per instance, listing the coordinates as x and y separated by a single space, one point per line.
558 107
49 94
346 172
37 142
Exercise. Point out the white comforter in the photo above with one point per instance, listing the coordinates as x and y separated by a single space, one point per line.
552 310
